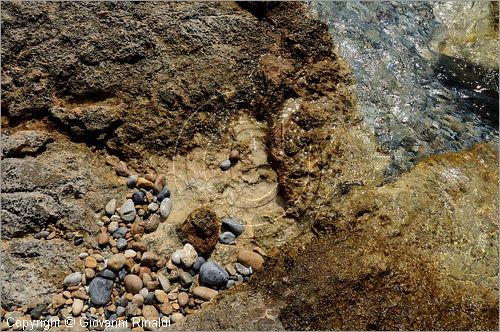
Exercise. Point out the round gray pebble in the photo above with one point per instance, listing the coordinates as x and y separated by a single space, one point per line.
233 225
225 165
213 274
227 238
131 182
121 244
100 291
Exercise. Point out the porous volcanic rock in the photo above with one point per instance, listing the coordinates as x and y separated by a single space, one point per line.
201 229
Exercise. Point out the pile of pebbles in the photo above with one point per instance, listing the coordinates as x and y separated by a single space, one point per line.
122 279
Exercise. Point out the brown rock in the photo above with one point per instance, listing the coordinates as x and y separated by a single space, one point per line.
139 246
160 182
103 239
166 308
250 258
204 293
152 223
143 270
58 301
143 183
116 262
183 299
150 177
234 156
90 262
149 259
149 312
133 283
152 285
136 229
201 229
121 169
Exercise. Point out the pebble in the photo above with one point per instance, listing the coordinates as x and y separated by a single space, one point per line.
230 269
90 262
116 262
144 292
164 193
230 283
121 244
183 299
165 284
159 183
103 239
177 317
150 313
82 255
225 165
185 279
107 274
112 227
129 253
120 232
161 296
110 207
260 251
132 310
89 274
77 307
233 225
198 263
165 208
152 223
234 156
133 284
227 238
73 279
149 299
176 257
132 181
213 274
121 169
153 207
138 300
120 311
250 258
149 259
144 183
188 255
37 312
244 271
139 246
41 235
166 308
204 293
100 291
127 211
138 197
58 301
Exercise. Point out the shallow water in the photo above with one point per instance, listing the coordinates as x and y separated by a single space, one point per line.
425 82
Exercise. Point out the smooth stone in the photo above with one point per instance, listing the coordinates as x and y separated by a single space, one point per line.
107 274
213 274
230 283
131 182
121 244
165 208
130 253
227 238
132 310
116 262
204 293
138 197
100 291
161 296
250 258
150 313
120 232
166 308
164 193
144 292
177 317
37 312
183 299
149 259
112 227
77 307
83 255
198 263
234 156
120 311
153 207
110 207
144 183
151 224
138 300
159 183
73 279
225 165
149 299
230 269
244 271
121 169
89 274
90 262
127 210
58 301
185 279
189 255
133 284
233 225
164 282
103 239
176 257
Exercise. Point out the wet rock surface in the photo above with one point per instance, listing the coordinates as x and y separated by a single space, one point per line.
146 85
